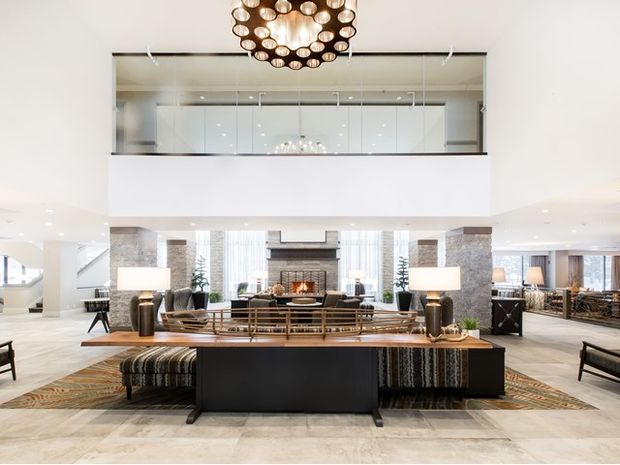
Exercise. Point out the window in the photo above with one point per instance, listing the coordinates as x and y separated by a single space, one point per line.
597 272
401 247
514 266
203 249
360 250
245 253
13 272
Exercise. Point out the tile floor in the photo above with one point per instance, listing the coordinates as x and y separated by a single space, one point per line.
48 349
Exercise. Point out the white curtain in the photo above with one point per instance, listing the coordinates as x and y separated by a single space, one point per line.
401 247
245 253
360 250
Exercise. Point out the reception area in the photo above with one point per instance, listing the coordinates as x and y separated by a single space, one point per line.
327 231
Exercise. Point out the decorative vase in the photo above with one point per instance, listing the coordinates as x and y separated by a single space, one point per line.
404 300
474 333
201 300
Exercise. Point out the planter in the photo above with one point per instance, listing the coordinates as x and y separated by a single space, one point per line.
473 333
201 300
403 300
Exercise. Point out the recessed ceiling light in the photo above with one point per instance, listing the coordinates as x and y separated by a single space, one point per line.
344 125
223 134
92 241
569 245
573 231
21 234
399 98
380 135
102 234
202 97
31 242
259 125
350 97
341 135
49 210
61 234
251 97
544 211
535 237
383 125
352 224
262 134
49 223
192 224
106 224
246 224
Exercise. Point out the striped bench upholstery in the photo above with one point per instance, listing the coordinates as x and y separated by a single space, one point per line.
159 367
401 368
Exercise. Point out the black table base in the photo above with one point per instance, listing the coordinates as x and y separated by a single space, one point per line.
287 379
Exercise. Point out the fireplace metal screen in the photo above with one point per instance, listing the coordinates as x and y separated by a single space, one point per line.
291 281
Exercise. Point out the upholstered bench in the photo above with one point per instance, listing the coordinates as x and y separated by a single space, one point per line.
159 367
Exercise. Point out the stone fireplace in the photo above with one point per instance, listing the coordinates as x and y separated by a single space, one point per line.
303 268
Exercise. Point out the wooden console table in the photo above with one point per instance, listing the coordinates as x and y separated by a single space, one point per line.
276 374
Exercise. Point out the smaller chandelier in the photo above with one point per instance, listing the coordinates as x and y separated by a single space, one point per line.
295 33
300 147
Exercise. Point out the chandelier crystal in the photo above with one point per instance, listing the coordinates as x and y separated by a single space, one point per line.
295 33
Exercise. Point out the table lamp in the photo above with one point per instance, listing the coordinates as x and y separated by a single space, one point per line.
259 276
357 275
433 281
534 277
146 280
499 275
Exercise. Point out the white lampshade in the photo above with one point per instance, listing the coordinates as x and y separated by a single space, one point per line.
435 279
499 275
261 274
143 279
357 274
534 275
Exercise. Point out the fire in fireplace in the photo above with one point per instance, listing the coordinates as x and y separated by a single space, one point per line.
303 287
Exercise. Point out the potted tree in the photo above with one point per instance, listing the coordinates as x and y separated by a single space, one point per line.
403 296
388 297
199 283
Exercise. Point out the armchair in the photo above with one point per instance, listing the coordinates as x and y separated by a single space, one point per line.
7 357
605 360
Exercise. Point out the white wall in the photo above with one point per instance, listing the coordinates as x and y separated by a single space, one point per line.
27 254
552 100
55 116
17 299
96 274
299 186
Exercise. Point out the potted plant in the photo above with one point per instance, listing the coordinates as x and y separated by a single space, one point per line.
471 325
404 297
199 283
214 297
388 297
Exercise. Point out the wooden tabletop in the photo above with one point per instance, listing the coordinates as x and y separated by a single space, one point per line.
169 339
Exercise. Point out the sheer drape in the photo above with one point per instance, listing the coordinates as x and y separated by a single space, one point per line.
540 261
360 250
575 270
245 253
615 273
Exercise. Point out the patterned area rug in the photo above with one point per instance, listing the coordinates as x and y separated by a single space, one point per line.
99 387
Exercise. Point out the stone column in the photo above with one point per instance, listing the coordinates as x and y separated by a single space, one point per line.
129 246
387 242
217 263
60 270
181 261
557 271
470 248
423 253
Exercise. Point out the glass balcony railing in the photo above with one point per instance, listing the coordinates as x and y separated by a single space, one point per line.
369 104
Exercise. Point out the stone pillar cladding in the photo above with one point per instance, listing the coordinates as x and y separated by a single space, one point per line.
309 261
470 248
387 249
216 271
423 253
129 246
181 261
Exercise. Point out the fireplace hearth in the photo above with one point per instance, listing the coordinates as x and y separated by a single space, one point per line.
303 287
303 282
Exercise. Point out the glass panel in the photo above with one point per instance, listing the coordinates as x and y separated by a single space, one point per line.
513 264
228 104
608 261
360 250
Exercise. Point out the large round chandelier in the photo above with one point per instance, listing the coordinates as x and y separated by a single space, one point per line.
295 33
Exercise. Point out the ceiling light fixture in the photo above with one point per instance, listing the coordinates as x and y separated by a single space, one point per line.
295 34
301 146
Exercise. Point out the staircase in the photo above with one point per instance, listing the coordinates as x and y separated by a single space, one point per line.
37 307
